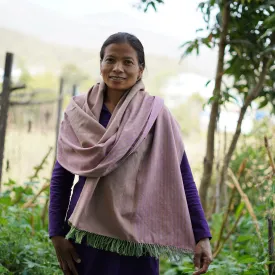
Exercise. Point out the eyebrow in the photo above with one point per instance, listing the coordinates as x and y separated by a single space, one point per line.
126 57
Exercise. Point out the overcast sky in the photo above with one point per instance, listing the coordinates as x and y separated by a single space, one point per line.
178 18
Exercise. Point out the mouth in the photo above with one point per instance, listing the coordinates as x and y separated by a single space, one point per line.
117 78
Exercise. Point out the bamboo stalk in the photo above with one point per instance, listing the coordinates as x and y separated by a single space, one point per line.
40 166
31 201
247 203
225 220
269 154
218 250
44 211
240 171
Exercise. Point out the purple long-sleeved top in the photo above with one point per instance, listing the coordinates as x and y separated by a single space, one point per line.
60 205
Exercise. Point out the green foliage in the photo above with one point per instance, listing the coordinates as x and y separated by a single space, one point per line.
146 4
258 181
250 40
243 252
24 250
25 247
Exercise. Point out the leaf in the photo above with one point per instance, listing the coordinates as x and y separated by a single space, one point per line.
244 238
186 43
199 30
270 21
268 32
212 2
205 41
10 183
237 50
207 83
263 103
150 4
3 270
268 50
154 6
5 200
3 221
247 259
242 42
171 272
32 264
239 209
201 6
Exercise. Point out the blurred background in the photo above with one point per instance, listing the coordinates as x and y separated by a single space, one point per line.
211 61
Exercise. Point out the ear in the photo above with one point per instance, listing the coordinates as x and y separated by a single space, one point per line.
140 73
100 68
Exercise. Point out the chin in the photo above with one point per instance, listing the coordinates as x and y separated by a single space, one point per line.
118 86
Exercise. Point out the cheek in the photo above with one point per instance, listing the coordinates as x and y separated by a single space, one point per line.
105 67
134 73
104 72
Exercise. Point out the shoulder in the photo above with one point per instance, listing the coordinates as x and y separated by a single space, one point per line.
82 98
79 100
165 110
75 103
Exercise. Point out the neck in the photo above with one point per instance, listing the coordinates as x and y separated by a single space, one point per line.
112 97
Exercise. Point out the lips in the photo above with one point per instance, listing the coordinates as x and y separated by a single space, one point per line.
117 78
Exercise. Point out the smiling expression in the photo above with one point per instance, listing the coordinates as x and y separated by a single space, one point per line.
119 67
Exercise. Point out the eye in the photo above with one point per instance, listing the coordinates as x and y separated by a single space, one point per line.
109 60
128 62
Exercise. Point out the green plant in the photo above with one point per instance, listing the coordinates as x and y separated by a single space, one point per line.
25 247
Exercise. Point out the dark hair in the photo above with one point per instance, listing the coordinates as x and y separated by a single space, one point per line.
124 37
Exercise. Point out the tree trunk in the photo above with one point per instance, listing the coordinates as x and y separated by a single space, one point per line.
252 96
210 145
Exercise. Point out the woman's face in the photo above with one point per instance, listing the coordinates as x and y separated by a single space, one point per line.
120 68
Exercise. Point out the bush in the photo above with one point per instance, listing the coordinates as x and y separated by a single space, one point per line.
242 252
23 250
25 247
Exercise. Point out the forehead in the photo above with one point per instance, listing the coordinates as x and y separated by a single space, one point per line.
121 50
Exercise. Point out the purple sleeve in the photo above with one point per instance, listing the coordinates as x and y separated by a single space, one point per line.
60 191
199 223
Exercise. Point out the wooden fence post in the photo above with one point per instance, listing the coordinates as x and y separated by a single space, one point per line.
4 108
74 90
59 113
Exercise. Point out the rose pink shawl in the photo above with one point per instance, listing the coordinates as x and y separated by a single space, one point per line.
133 201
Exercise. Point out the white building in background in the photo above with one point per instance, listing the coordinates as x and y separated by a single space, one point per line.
179 88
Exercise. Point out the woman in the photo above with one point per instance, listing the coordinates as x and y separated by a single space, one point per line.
136 198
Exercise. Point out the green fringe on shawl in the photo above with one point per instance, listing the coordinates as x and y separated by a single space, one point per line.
127 248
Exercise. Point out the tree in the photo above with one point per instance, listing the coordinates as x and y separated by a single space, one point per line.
244 32
73 75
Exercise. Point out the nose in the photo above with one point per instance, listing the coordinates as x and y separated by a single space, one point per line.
118 67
